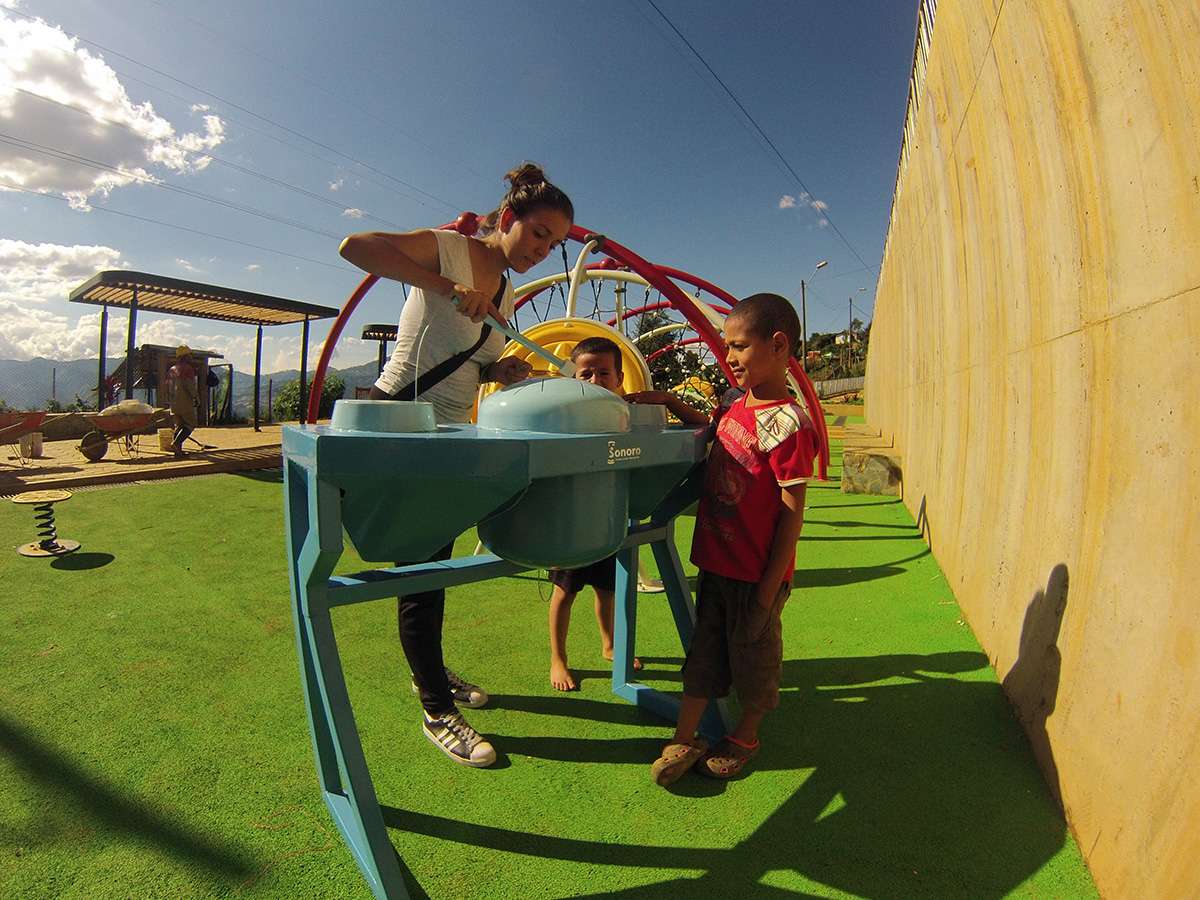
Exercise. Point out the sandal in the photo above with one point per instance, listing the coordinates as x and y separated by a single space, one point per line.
727 759
677 759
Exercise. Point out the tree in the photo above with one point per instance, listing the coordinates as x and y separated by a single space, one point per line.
287 404
673 367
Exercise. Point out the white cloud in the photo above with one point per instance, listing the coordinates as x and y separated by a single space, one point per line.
353 213
186 266
337 185
166 331
817 206
41 272
253 267
32 276
29 332
77 132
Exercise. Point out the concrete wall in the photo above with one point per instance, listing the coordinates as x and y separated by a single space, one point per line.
1035 354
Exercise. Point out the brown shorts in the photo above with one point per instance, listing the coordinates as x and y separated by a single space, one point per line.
601 575
736 643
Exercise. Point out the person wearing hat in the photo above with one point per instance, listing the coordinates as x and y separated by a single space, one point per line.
181 387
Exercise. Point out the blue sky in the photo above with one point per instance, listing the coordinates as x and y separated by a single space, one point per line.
235 143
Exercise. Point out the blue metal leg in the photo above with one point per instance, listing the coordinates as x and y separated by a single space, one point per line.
716 721
341 766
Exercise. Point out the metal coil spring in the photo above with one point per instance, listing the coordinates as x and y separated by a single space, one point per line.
43 515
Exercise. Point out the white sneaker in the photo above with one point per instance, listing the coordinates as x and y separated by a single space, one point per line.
470 696
458 740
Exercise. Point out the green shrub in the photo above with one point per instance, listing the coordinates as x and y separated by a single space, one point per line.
287 405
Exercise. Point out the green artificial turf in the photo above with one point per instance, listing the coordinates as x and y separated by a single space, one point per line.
153 739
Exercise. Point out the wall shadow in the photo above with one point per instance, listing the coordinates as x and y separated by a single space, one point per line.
1032 683
912 783
842 576
66 793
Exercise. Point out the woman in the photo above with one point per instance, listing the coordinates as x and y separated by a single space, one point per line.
442 354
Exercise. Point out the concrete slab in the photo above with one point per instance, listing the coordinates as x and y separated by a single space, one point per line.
61 465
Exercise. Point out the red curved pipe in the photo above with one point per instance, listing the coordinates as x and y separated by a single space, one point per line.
717 292
467 223
630 313
658 279
675 346
816 413
664 286
318 382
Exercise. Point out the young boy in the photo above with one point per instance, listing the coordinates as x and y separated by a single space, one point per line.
598 360
747 524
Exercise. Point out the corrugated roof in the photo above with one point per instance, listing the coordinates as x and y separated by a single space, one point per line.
174 296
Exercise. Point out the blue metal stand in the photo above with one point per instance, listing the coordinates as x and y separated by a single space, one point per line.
661 538
314 506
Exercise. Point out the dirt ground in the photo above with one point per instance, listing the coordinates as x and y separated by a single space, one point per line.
140 458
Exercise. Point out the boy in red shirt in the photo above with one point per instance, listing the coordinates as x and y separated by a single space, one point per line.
747 524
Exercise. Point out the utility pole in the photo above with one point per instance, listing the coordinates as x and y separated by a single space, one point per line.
850 335
804 317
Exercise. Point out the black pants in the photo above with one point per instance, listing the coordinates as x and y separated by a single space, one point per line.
419 617
182 432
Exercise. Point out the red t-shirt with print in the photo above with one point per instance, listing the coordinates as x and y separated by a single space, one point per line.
758 451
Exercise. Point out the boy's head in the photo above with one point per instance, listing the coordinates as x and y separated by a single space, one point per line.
598 360
761 334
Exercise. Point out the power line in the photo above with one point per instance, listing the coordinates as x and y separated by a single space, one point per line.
758 131
341 98
142 179
225 117
208 234
230 103
191 151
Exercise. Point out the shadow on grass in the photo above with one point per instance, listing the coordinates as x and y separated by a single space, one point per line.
81 562
912 782
848 505
807 577
849 523
263 476
69 792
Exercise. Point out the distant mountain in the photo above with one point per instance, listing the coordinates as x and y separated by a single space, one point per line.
30 384
243 385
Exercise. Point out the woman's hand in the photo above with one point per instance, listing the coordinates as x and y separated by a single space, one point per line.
508 370
475 305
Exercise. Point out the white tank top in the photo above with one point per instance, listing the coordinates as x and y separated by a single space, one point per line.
446 332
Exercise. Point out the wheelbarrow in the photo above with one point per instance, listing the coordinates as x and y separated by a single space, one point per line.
109 427
15 424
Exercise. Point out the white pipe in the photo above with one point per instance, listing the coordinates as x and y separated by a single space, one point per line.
678 326
715 318
577 275
590 274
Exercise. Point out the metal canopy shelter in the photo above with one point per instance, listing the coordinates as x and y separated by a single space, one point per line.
175 297
384 334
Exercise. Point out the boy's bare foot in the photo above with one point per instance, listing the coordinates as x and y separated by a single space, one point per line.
608 654
561 678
